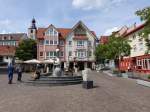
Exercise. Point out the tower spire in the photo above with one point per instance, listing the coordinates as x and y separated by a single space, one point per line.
33 23
32 29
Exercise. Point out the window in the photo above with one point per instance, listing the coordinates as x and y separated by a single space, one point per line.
61 42
90 53
1 43
54 53
134 48
61 53
70 53
41 42
51 53
80 43
139 63
4 38
1 59
70 42
31 31
51 31
89 43
55 33
10 37
51 42
47 42
15 43
41 53
47 54
55 42
81 54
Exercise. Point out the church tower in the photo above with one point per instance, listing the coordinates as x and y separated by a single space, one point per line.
32 30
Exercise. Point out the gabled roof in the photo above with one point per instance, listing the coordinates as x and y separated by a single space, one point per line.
63 32
12 36
103 40
40 33
7 50
81 23
135 29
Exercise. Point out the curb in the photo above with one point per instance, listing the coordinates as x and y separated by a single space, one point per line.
143 83
109 74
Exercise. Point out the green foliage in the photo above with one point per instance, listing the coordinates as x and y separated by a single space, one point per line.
26 49
101 53
144 15
116 47
148 77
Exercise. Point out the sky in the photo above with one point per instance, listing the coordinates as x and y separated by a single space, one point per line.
101 16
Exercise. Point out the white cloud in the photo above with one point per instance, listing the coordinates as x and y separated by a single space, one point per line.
93 4
5 22
87 4
109 31
7 26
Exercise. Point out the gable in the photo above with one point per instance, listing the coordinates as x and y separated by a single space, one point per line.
83 30
51 31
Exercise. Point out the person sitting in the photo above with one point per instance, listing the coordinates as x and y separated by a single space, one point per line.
37 73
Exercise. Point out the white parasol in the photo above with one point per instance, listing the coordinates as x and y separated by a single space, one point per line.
48 61
33 61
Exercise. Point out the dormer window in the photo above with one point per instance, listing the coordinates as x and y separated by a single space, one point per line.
4 38
10 37
51 32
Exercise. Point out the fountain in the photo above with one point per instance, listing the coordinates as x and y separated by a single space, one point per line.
57 71
58 77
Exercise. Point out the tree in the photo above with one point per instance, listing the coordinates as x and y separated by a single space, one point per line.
26 50
144 15
114 50
101 53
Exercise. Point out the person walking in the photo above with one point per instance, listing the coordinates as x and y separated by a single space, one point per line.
19 72
10 73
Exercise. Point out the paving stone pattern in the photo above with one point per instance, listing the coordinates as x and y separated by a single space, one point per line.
110 94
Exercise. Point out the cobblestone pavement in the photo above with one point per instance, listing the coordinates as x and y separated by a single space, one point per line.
111 94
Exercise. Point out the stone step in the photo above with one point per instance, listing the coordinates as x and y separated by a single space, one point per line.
49 79
52 83
62 77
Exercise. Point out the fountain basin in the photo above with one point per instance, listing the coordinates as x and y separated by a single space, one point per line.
55 81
